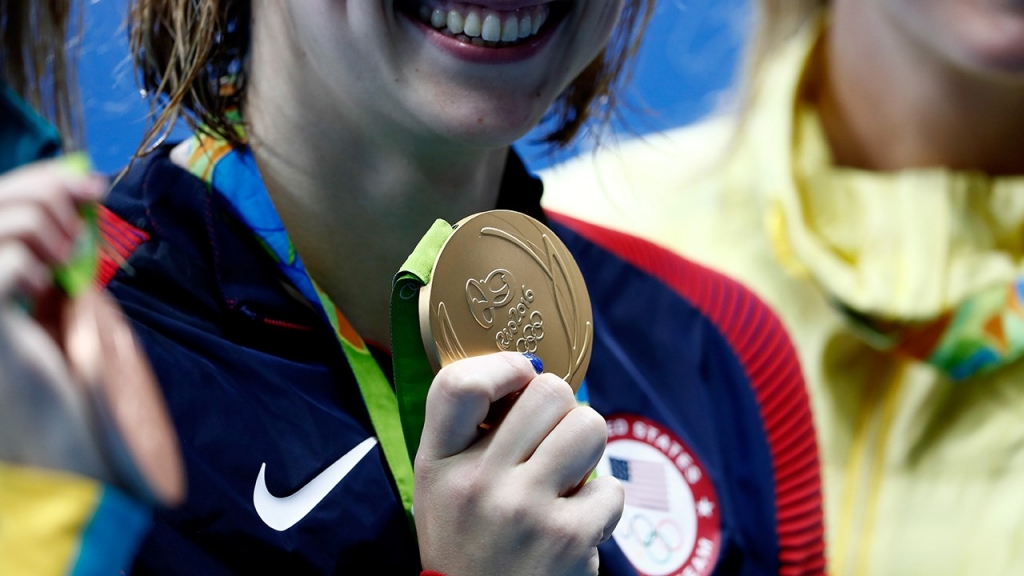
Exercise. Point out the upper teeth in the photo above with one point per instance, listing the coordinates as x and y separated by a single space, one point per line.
487 24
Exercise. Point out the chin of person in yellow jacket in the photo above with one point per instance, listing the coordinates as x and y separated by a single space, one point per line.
870 187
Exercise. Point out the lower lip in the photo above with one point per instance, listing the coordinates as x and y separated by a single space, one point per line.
481 54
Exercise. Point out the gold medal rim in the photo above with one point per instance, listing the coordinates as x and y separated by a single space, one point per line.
584 310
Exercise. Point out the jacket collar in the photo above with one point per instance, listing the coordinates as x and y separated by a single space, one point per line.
249 282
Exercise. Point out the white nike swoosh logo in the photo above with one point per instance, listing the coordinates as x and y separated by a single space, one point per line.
283 513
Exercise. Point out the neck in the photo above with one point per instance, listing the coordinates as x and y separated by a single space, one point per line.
888 102
356 199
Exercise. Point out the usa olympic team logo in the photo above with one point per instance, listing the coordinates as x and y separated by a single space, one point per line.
670 525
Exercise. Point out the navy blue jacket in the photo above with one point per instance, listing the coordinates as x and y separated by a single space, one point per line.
710 428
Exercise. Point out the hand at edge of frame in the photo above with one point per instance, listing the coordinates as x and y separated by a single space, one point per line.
512 499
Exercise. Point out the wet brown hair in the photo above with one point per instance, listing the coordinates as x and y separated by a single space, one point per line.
184 50
37 62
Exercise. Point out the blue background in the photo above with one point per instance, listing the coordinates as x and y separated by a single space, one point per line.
685 69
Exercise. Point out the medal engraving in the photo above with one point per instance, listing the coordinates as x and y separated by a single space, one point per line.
478 294
505 282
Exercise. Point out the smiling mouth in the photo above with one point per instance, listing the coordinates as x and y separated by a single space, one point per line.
483 26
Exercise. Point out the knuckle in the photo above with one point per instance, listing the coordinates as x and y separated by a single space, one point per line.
591 422
515 361
513 509
553 390
60 204
459 380
14 256
422 465
575 536
613 495
608 488
468 485
618 490
19 269
34 223
464 493
18 260
617 496
589 432
51 192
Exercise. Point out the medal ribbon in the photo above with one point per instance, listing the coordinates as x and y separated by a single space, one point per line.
413 372
79 273
234 174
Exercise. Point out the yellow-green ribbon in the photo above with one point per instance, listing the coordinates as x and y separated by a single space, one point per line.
413 373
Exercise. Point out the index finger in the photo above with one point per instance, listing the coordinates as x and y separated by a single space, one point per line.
25 182
55 189
461 396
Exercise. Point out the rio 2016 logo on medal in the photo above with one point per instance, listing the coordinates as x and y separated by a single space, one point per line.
504 282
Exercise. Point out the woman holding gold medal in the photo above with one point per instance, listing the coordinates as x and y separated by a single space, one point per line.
273 260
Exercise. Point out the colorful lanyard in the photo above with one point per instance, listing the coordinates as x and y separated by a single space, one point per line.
981 334
234 174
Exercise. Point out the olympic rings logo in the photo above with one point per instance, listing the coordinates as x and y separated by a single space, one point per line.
533 333
660 540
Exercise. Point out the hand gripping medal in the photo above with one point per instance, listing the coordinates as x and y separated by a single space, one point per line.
496 281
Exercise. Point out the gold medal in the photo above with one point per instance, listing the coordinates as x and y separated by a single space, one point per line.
504 282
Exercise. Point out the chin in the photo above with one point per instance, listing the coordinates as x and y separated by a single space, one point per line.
487 127
476 136
993 44
1004 59
994 62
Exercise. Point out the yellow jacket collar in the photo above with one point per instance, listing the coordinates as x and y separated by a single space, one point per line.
906 245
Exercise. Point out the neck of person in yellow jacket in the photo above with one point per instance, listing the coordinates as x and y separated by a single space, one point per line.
924 83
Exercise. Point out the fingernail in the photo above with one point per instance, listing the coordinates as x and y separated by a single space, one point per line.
538 364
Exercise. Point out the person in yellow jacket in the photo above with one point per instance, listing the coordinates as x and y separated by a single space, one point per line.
871 189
